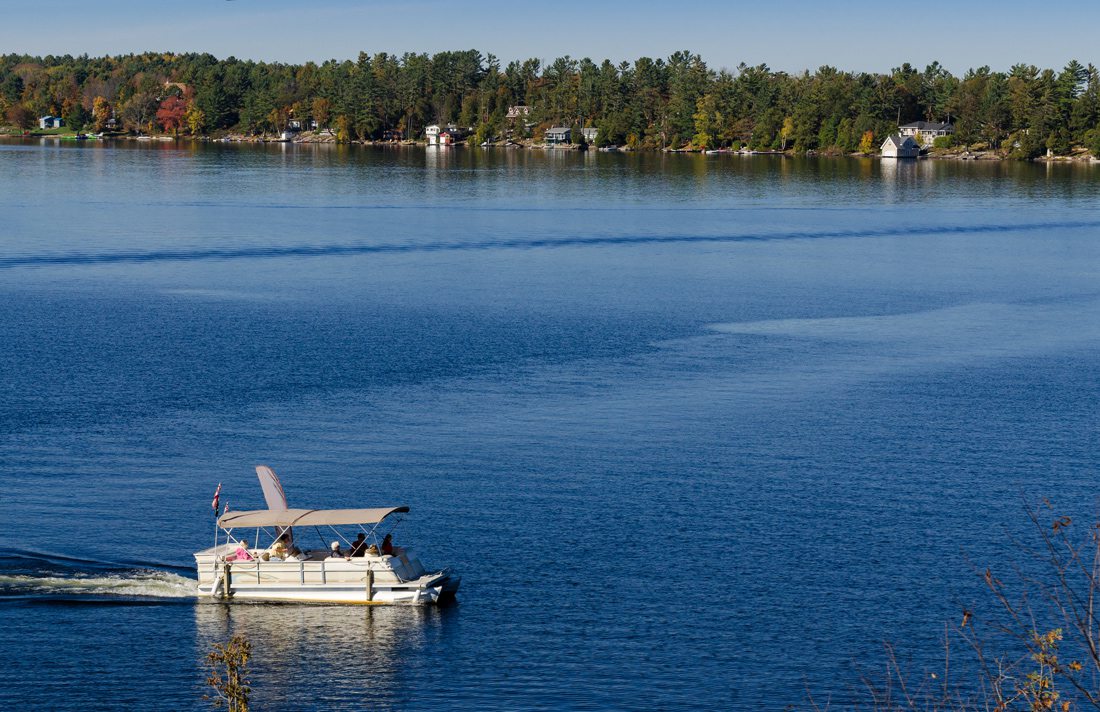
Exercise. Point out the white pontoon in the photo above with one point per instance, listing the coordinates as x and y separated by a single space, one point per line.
277 568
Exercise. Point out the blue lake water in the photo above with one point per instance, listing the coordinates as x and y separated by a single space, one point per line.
696 431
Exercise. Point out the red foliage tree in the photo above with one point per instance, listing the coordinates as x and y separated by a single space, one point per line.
20 116
171 113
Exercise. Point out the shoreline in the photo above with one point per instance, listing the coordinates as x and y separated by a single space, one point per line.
310 138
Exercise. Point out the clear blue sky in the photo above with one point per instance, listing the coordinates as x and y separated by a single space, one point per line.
786 34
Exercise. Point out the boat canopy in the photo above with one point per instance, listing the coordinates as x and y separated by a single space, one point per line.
305 517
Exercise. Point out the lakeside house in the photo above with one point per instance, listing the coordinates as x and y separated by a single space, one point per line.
50 122
518 116
900 147
446 135
558 134
925 132
432 132
589 133
515 112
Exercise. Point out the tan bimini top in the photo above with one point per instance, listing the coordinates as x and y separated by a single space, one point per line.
305 517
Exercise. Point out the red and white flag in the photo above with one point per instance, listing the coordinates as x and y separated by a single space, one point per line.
217 496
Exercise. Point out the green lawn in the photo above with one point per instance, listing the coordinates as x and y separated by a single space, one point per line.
64 131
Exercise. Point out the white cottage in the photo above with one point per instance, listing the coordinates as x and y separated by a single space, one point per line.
434 133
900 147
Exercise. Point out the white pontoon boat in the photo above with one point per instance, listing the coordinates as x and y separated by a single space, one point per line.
368 570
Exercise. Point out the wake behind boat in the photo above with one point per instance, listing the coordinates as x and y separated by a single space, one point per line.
366 570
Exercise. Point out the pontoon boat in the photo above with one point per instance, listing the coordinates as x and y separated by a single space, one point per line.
276 567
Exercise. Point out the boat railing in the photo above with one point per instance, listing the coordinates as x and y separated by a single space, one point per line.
316 570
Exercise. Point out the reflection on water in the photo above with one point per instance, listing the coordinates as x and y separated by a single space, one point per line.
348 650
437 158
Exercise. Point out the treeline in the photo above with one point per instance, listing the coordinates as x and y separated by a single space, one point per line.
650 103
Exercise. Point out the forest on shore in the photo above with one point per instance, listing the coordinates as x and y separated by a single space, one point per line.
673 102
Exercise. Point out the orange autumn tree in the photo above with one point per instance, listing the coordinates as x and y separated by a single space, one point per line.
101 113
171 114
867 143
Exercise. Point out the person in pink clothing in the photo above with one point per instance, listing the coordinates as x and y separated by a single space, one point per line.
241 554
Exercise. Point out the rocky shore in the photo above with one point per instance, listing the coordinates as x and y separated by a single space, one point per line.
328 136
953 154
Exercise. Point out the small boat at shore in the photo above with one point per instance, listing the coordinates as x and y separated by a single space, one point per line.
275 567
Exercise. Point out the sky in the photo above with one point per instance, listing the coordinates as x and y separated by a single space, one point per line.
788 35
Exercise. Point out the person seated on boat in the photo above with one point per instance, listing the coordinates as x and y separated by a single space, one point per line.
278 549
387 545
359 546
242 553
336 552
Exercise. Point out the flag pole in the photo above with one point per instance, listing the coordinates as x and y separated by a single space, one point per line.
214 558
214 504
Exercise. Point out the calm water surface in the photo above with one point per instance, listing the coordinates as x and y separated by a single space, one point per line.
697 431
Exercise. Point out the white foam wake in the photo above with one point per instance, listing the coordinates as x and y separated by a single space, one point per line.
952 333
137 584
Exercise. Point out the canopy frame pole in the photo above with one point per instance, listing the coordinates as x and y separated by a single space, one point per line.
391 530
339 535
397 520
369 534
